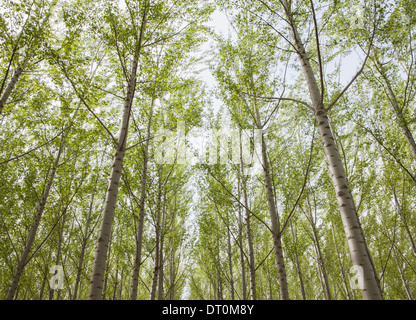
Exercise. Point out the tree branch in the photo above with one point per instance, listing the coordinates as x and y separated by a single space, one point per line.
283 99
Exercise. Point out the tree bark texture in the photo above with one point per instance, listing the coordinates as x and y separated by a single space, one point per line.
356 242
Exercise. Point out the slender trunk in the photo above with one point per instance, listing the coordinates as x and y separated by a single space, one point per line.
324 277
107 267
45 277
240 239
115 282
156 267
120 291
230 264
250 250
160 293
278 250
34 227
172 277
160 286
325 284
251 266
219 280
100 257
297 264
357 245
139 235
66 278
402 277
274 217
157 240
269 278
83 248
172 263
21 67
10 86
58 253
406 227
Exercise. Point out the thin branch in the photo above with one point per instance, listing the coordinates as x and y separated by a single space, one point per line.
228 228
388 151
321 73
46 238
168 36
120 57
10 239
283 99
292 212
334 101
271 250
33 149
150 138
86 104
106 91
274 29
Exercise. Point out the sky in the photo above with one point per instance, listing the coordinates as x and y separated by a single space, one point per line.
350 64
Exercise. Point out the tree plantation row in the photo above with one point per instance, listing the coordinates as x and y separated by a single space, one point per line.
148 152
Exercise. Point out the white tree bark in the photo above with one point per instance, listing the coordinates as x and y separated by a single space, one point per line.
139 236
274 218
251 261
100 257
157 263
356 242
10 86
240 239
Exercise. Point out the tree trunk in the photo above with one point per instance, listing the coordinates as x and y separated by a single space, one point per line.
11 85
160 290
139 235
58 253
100 257
406 227
402 276
157 240
34 227
356 242
297 264
45 277
107 267
230 263
278 250
21 67
172 263
83 247
160 286
251 262
324 279
219 279
240 239
115 282
325 284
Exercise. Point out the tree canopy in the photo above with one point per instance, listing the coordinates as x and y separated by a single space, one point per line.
147 154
